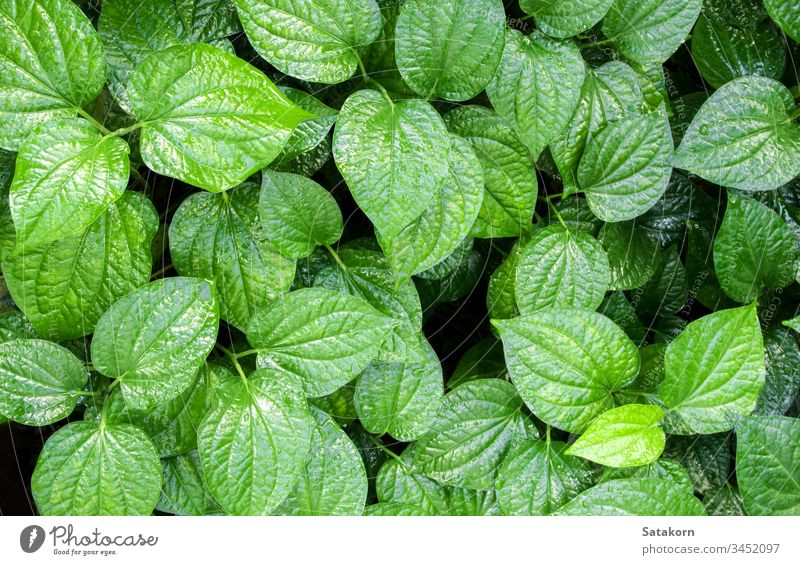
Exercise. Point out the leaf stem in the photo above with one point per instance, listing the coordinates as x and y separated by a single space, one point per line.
232 356
335 256
555 211
87 116
547 434
386 450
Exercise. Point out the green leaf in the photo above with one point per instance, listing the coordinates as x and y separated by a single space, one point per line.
484 360
537 86
208 118
476 426
714 371
66 175
183 489
668 288
65 286
627 436
89 469
666 469
367 275
401 399
413 147
154 339
754 250
40 382
566 364
323 336
784 13
52 65
172 425
447 48
469 502
724 501
397 483
681 203
297 214
220 237
767 452
333 481
626 167
634 497
565 18
782 382
317 40
538 477
14 325
254 441
705 457
725 52
743 136
434 236
633 254
394 509
794 323
132 30
310 133
508 174
609 92
650 30
501 293
558 267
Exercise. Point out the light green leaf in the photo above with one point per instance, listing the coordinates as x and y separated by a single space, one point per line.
537 477
394 509
131 30
333 481
714 371
315 40
434 236
558 267
725 52
784 13
753 250
767 470
89 469
154 339
794 323
311 133
476 426
40 382
633 254
627 436
565 18
297 213
367 275
744 136
254 441
65 286
394 189
323 336
509 176
183 489
650 31
470 502
634 497
448 48
609 92
401 399
208 117
66 175
220 237
52 64
567 362
626 168
537 86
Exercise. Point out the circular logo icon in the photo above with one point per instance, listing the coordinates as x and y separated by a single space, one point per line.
31 538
